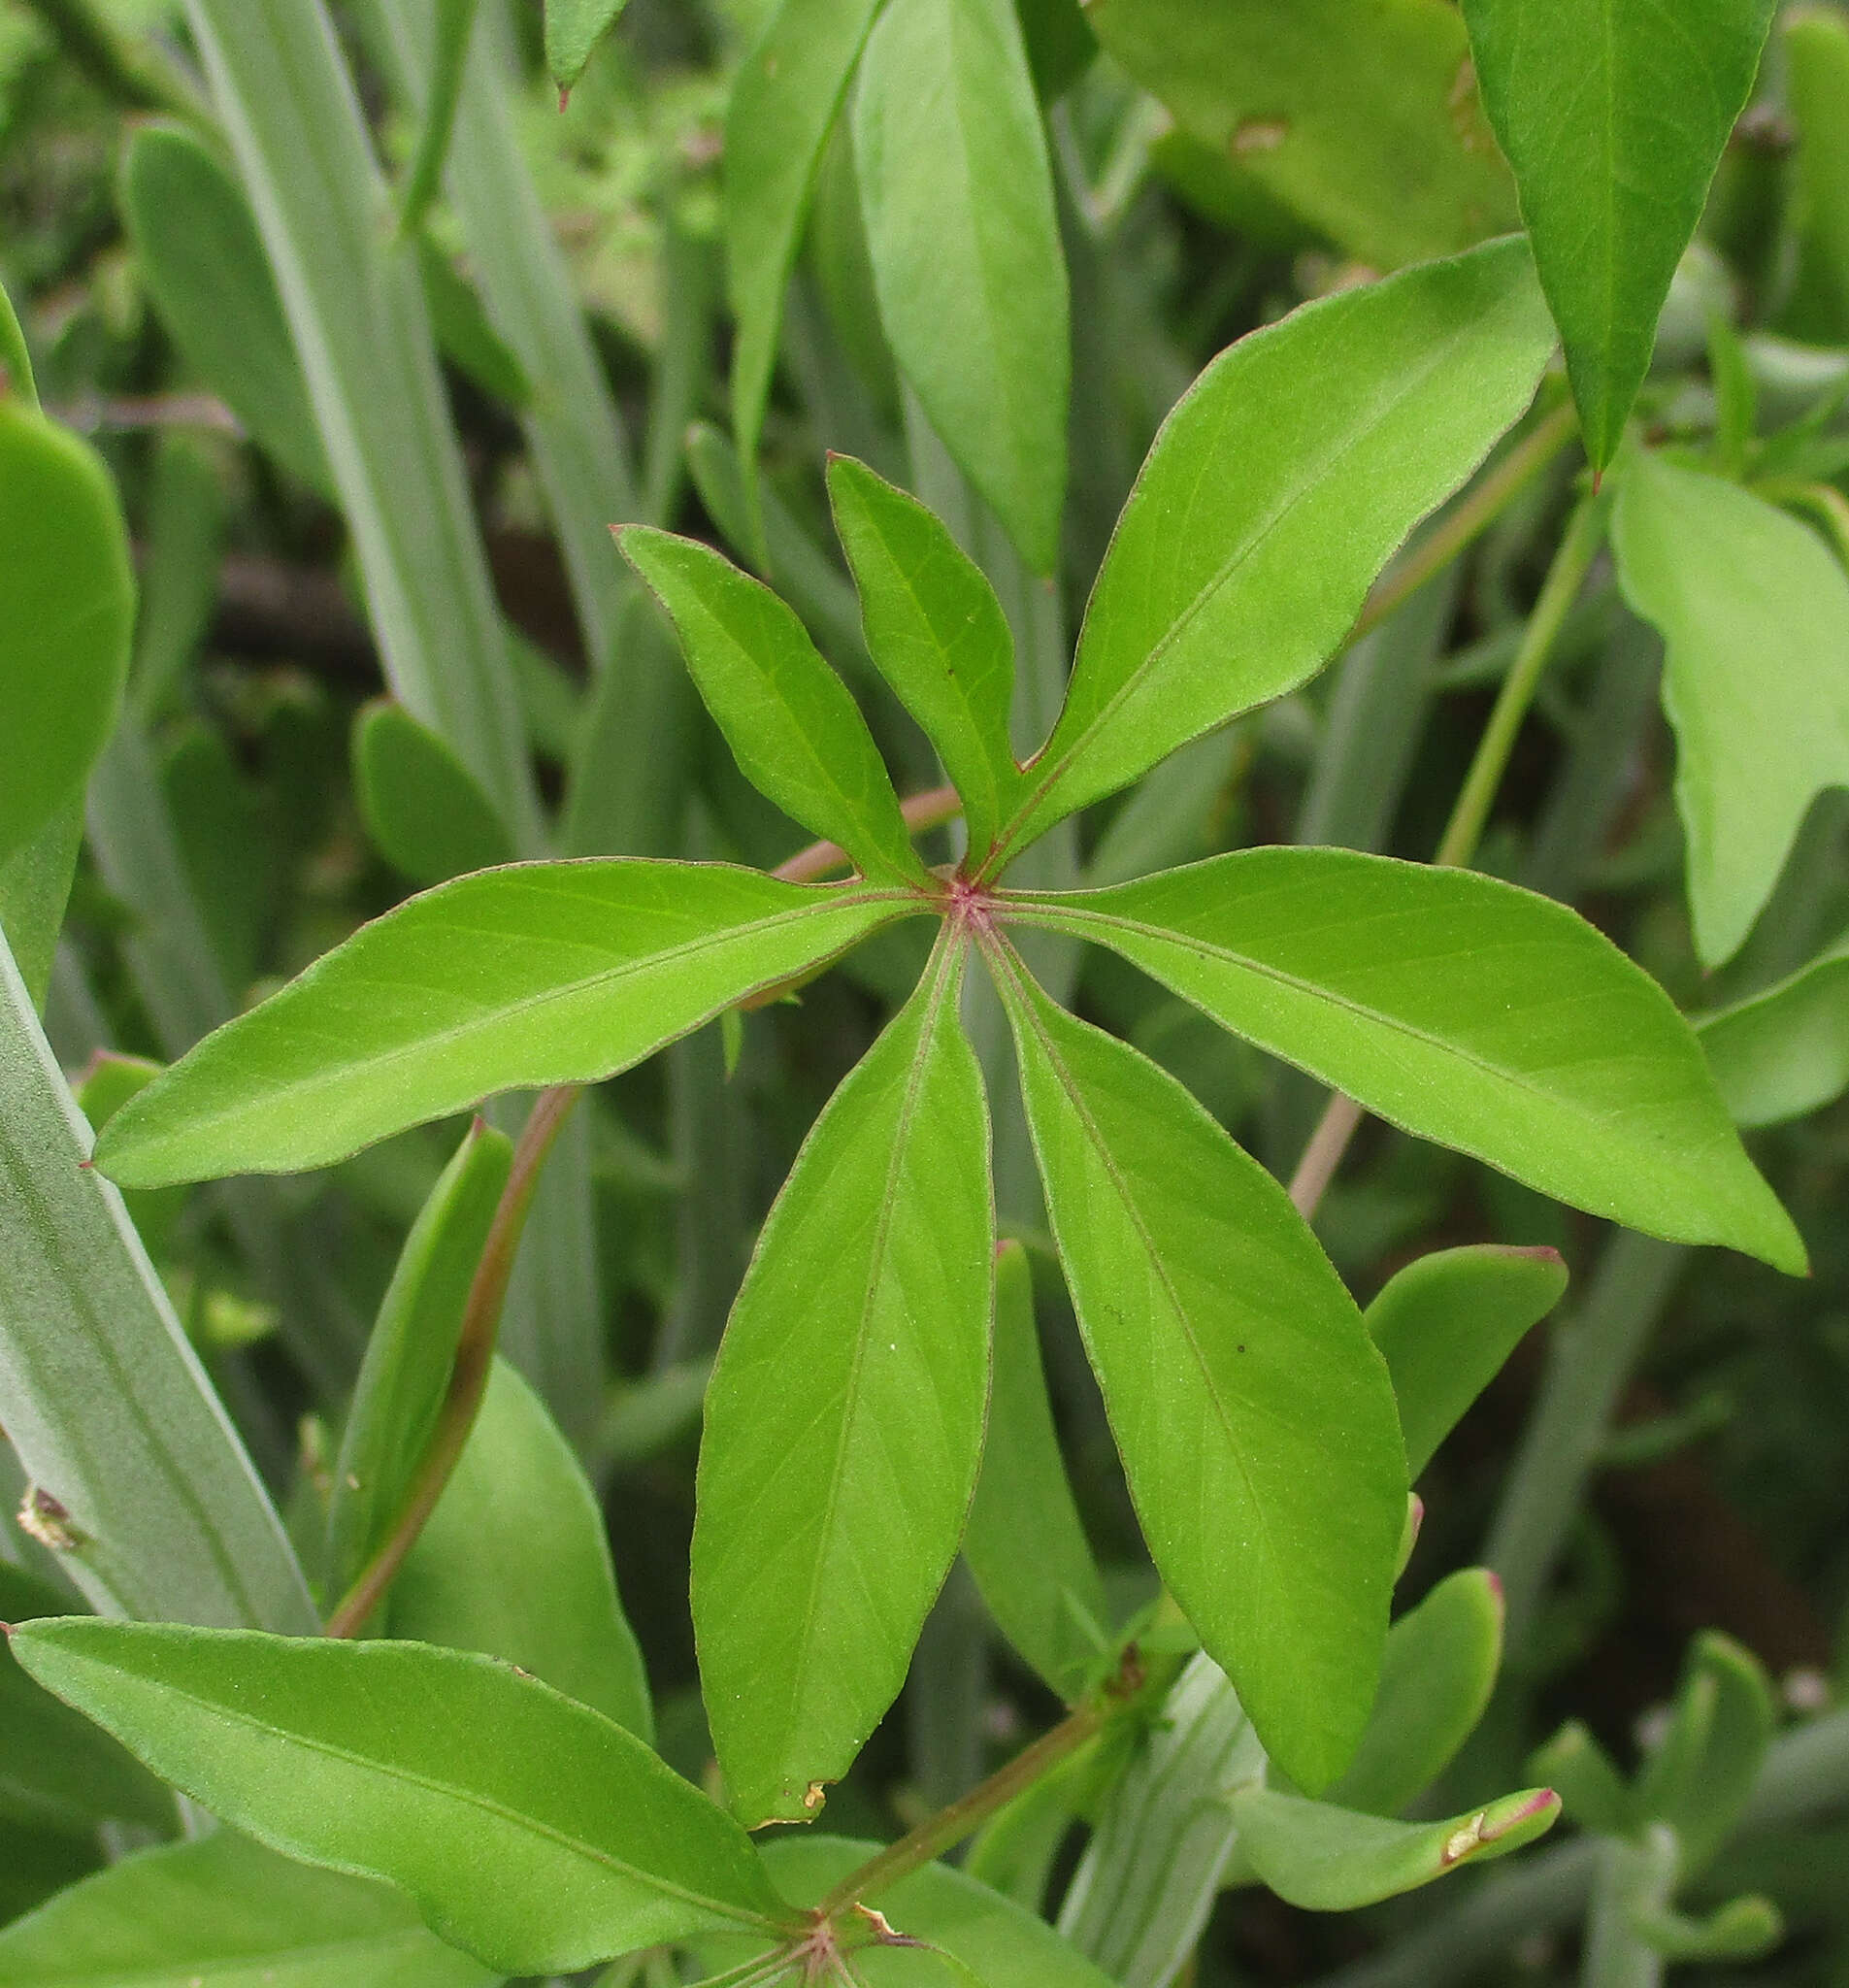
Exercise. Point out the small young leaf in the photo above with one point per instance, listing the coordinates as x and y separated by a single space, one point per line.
70 612
939 636
224 1912
1024 1541
1436 1681
1254 1415
406 1371
1784 1052
515 1562
15 359
422 809
573 30
1330 1860
1272 496
1614 118
463 333
1462 1009
843 1421
1593 1793
784 102
1446 1323
204 264
1755 611
107 1085
1745 1929
1699 1780
530 1831
958 195
539 974
795 730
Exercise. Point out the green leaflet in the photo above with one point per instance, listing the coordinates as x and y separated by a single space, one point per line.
573 30
1024 1541
1785 1051
515 1562
406 1371
1446 1323
1755 611
204 265
70 612
938 635
463 333
35 886
1272 496
792 724
958 196
529 1830
538 974
1816 44
784 101
843 1421
1330 1860
422 808
453 23
1463 1009
1613 117
224 1912
1254 1415
1360 119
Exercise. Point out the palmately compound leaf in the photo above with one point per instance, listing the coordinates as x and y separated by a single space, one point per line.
1614 117
1276 490
538 974
529 1830
1462 1009
791 722
1754 611
1253 1413
937 634
843 1422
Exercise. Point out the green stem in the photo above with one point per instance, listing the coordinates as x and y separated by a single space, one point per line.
94 48
454 28
473 1362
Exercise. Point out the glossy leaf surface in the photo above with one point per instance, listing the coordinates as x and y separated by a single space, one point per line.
1024 1541
573 30
1254 1416
937 634
224 1912
1785 1051
1465 1011
1273 494
1614 117
793 726
958 196
843 1422
1330 1860
1754 609
514 1563
539 974
529 1830
422 808
70 595
1448 1322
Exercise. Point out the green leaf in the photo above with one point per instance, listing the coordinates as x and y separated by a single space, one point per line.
1755 611
843 1421
1253 1413
958 195
1700 1779
463 333
1330 1860
1361 121
1275 493
1448 1322
1024 1541
539 974
1436 1681
421 807
1782 1053
1745 1929
1614 117
514 1563
56 1771
15 359
1060 44
36 1864
406 1371
70 595
35 886
225 1913
939 636
1816 49
573 30
530 1831
1593 1793
452 22
792 724
204 265
784 101
1463 1009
